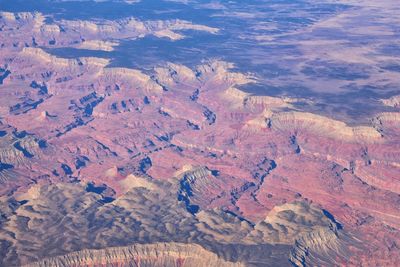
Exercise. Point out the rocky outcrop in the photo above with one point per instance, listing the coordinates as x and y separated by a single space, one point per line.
294 219
297 122
192 181
320 247
34 30
131 78
17 148
245 100
387 123
151 255
98 45
70 66
392 102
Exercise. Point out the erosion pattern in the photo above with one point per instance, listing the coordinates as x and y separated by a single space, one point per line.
176 166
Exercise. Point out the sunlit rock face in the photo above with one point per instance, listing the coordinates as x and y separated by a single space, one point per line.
179 163
168 254
33 30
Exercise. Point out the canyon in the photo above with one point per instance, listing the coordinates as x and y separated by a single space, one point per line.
176 165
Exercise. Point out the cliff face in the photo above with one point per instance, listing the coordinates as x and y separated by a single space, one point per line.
157 255
299 122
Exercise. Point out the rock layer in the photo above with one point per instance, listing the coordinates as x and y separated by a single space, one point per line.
160 254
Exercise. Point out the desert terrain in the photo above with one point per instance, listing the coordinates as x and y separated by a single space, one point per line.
180 164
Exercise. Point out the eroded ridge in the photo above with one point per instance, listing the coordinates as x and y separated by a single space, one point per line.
160 254
34 29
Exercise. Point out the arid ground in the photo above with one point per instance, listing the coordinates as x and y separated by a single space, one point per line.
199 133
